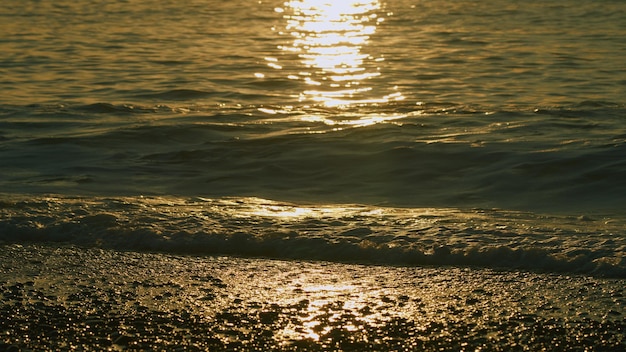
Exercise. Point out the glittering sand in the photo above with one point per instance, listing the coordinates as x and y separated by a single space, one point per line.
68 298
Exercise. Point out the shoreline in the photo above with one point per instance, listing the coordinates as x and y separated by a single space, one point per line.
65 298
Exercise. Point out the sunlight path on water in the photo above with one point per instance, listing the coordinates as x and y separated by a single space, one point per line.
328 50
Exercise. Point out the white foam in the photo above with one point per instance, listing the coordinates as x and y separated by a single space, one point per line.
344 233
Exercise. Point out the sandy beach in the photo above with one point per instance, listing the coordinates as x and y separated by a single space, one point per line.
69 298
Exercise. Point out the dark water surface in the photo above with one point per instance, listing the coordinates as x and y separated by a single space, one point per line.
403 132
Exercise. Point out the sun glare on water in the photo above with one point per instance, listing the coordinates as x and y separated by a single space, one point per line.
329 39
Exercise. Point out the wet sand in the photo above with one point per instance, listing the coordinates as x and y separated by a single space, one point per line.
68 298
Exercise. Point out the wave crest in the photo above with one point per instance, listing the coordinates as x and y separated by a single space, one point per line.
253 227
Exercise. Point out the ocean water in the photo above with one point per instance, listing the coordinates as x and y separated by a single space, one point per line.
471 133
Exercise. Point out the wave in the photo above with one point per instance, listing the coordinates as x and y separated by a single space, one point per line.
177 94
254 227
560 159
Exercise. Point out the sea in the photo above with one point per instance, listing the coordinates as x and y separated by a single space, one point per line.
439 133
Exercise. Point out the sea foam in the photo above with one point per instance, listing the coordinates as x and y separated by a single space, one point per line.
254 227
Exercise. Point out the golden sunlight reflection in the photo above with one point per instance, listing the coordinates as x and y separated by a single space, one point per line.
259 207
328 40
288 211
322 313
347 120
359 122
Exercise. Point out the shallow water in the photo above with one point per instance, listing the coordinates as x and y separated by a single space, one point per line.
124 118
